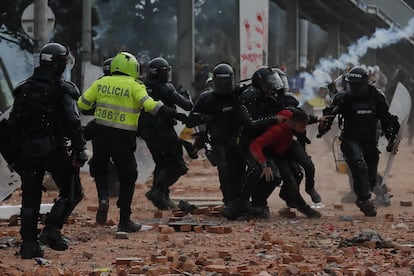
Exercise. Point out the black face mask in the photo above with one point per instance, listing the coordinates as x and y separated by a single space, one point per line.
358 89
223 85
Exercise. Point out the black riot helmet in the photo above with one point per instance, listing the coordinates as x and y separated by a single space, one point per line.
106 66
159 69
357 79
268 81
54 56
223 79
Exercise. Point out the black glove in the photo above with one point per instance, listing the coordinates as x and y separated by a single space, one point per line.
185 94
89 130
390 145
181 117
79 158
313 119
323 128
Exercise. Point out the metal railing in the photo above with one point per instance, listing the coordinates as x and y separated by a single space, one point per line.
395 12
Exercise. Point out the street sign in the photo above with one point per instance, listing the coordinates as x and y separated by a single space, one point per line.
28 20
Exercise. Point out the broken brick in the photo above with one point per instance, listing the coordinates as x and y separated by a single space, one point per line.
167 230
266 236
389 217
158 214
227 229
201 261
161 259
135 270
185 228
406 203
216 229
198 229
163 237
247 272
297 257
216 268
179 214
335 259
125 261
223 254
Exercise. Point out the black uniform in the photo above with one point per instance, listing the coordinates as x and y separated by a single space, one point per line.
359 136
161 138
257 112
218 112
44 114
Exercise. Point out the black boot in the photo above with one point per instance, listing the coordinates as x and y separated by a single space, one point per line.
30 247
126 224
102 213
231 210
157 197
171 205
309 212
259 212
53 238
54 222
367 207
315 196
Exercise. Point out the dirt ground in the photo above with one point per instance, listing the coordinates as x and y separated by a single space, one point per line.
278 246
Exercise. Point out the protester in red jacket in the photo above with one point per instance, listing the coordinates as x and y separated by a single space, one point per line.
278 141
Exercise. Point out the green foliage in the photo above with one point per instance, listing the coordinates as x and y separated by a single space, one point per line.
146 28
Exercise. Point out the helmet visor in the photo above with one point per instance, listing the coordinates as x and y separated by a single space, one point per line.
223 85
272 83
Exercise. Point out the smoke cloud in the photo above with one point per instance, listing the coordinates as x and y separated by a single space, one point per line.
380 39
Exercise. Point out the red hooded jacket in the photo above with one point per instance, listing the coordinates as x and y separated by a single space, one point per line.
276 138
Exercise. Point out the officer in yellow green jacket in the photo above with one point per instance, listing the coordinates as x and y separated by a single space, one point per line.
117 100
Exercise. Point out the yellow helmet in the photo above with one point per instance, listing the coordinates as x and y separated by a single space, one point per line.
125 63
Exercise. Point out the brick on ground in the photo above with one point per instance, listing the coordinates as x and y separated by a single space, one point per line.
167 230
335 259
217 268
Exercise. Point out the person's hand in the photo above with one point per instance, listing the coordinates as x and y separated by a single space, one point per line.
79 158
267 173
181 117
313 119
390 146
280 119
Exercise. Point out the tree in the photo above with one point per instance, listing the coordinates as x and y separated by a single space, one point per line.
146 28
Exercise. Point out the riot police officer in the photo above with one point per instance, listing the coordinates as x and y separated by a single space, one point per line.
103 182
360 109
44 115
118 100
217 110
258 106
159 134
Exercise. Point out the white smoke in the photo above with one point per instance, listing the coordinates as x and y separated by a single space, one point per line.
381 38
